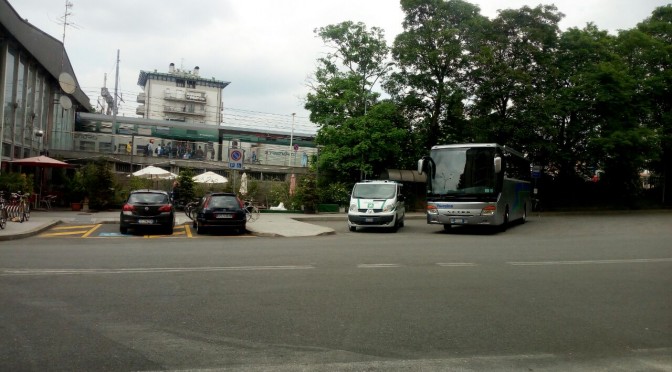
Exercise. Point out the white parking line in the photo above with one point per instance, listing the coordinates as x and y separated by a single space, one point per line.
456 264
591 262
376 266
149 270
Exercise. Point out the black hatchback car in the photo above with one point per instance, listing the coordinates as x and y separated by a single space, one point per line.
147 208
221 210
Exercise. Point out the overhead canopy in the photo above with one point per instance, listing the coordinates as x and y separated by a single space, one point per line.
403 175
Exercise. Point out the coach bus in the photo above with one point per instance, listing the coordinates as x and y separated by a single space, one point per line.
476 184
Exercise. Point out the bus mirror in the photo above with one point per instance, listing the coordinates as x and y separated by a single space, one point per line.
498 164
421 165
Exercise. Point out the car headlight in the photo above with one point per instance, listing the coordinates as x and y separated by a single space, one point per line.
388 208
353 207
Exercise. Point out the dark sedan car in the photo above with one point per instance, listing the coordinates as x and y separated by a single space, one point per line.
220 210
147 208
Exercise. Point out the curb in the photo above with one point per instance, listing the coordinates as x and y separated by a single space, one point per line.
32 232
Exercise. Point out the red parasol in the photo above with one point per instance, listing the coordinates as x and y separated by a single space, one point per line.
41 161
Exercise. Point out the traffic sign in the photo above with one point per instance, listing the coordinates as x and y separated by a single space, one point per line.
235 159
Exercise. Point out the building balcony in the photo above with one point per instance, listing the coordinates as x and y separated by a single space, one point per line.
140 110
141 97
194 111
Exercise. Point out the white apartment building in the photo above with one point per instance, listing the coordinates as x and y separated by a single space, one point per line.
180 95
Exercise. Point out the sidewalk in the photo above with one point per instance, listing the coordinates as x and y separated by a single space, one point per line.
269 224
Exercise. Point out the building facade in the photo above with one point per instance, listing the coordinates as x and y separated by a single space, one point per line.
43 110
180 95
36 110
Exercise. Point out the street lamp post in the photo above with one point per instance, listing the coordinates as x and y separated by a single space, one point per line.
291 140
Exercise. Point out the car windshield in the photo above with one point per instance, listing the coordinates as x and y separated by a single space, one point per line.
374 191
148 198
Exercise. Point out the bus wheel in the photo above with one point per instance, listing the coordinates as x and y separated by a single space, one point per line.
505 223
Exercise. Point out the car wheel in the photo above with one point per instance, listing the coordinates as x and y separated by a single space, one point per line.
200 229
524 219
123 229
447 227
352 228
168 230
395 228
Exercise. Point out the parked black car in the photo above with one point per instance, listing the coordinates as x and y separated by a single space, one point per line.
147 208
221 210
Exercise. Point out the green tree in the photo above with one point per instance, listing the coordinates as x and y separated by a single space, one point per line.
359 134
567 103
433 59
647 51
513 68
186 189
99 183
366 145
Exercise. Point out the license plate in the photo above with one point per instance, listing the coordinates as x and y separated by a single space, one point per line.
224 216
458 220
145 222
369 219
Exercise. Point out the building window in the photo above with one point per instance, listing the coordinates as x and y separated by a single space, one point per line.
191 84
179 82
105 147
87 146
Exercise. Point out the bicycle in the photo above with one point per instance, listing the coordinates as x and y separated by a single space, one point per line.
3 211
251 212
190 208
19 206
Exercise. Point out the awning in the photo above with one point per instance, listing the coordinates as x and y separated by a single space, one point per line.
403 175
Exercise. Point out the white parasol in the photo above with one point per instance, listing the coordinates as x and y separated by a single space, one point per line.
153 172
210 177
243 184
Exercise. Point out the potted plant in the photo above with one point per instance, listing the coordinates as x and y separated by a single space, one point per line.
76 192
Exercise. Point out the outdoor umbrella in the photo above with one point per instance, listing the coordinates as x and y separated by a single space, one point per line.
210 178
41 161
243 184
153 172
292 184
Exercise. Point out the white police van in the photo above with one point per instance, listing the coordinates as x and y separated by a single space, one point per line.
376 204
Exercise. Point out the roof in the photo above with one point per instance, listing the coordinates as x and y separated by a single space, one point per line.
404 175
145 75
47 50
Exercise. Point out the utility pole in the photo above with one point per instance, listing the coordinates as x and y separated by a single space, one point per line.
114 109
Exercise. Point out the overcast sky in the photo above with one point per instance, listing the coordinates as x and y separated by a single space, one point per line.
265 48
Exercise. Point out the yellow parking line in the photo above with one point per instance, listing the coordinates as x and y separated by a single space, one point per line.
187 229
91 231
63 233
72 227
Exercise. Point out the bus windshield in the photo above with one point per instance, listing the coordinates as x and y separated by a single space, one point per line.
463 171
